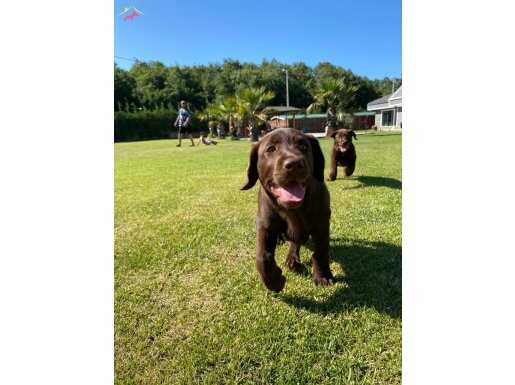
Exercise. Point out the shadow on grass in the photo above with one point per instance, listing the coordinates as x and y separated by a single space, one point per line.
372 279
374 181
385 134
379 181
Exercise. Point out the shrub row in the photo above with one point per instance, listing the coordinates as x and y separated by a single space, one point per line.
146 125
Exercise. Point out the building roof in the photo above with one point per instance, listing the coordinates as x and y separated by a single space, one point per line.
300 116
318 116
381 100
397 94
281 109
387 101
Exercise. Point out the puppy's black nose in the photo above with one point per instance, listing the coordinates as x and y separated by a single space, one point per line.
294 164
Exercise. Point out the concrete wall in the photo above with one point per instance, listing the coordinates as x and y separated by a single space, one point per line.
398 122
378 119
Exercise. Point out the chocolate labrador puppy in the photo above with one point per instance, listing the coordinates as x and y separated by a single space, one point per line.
293 202
344 153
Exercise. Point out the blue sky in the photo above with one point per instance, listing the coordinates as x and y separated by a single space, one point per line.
363 36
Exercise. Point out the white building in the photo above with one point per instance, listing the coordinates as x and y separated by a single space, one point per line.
388 111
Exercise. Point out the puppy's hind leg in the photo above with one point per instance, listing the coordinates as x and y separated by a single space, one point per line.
293 258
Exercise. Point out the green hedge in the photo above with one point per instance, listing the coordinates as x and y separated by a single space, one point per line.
146 125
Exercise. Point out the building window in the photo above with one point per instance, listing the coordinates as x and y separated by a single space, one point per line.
387 118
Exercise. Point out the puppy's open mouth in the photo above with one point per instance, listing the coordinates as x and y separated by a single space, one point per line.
290 195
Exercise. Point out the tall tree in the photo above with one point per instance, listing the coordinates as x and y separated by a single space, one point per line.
124 89
251 102
225 110
333 95
326 97
152 85
150 82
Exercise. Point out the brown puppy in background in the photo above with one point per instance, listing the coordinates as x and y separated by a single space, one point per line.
344 153
293 202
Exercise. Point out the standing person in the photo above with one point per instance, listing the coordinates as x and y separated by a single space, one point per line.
211 126
220 130
183 123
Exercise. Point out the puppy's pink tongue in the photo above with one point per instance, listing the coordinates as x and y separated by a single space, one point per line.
292 193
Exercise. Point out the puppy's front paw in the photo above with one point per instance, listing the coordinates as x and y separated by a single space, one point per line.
321 280
275 281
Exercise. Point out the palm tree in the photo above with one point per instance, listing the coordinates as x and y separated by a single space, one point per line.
227 109
224 110
332 94
250 102
212 115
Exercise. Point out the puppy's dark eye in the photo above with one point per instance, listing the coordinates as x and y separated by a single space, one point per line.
270 148
303 147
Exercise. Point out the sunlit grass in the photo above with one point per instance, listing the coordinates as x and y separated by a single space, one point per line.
190 308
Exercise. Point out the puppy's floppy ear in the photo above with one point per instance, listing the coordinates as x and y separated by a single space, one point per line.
333 134
354 135
252 172
318 158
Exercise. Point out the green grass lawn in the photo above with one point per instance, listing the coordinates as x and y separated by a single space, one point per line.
189 305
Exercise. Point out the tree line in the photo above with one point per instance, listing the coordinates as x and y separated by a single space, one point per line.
152 85
149 91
